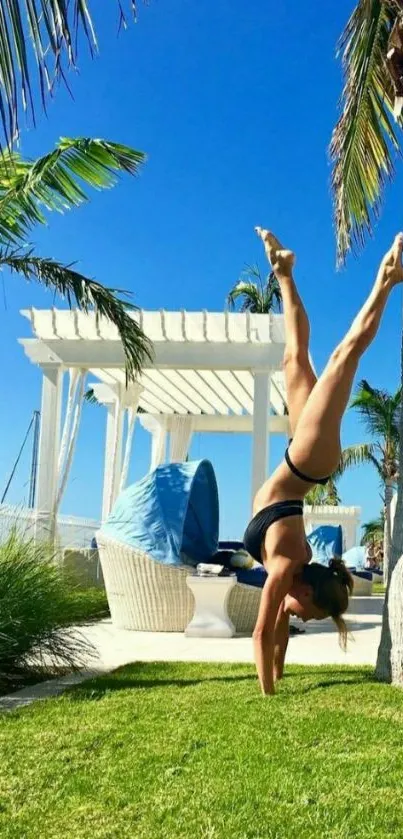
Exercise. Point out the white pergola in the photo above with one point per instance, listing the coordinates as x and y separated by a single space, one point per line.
210 372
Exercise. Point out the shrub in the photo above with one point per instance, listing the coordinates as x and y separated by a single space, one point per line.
36 609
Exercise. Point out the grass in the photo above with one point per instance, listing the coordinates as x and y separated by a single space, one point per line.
87 604
378 588
192 751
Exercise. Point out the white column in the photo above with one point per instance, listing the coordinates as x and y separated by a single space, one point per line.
158 445
49 438
157 427
181 436
74 378
66 458
131 411
113 455
260 444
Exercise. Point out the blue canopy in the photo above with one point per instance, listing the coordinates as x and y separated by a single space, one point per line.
326 542
172 510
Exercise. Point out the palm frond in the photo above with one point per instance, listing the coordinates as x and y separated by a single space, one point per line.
249 295
56 181
272 300
326 495
90 398
258 295
88 295
356 456
41 34
373 531
363 139
380 412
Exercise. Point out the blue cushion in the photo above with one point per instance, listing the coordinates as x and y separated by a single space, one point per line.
251 576
363 575
230 546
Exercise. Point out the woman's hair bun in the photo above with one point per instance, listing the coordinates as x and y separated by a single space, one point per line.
339 570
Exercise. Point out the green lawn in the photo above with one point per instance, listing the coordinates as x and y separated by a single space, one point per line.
168 751
86 604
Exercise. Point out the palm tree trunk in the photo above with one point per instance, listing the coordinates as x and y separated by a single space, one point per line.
387 534
389 665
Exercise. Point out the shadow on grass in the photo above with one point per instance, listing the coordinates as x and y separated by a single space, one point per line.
95 690
329 683
145 676
332 677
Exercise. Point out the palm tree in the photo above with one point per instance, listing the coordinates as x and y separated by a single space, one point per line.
363 149
379 412
324 495
364 140
372 539
373 531
373 536
38 43
56 182
255 294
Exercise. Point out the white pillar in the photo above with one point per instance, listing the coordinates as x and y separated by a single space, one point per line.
49 440
73 426
157 427
260 444
158 445
113 455
131 411
181 436
49 437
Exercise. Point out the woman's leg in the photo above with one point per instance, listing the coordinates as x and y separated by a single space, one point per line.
299 376
315 450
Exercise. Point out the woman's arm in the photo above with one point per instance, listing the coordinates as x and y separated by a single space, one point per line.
274 591
281 636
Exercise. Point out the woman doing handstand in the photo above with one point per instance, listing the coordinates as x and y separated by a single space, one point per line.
276 535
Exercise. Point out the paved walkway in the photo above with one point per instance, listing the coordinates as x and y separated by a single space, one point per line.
116 647
319 644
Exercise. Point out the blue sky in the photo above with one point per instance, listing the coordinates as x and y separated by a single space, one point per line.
234 104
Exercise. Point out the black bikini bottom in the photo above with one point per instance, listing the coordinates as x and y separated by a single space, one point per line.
257 528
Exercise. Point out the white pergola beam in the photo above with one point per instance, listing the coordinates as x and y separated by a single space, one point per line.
91 354
233 385
190 382
162 382
233 424
221 390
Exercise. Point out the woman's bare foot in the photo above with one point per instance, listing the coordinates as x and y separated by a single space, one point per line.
281 260
391 269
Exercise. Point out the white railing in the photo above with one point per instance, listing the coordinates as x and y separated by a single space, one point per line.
72 531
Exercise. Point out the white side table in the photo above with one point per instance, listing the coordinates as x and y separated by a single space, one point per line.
210 619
